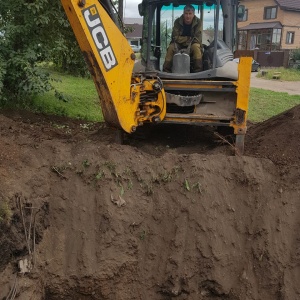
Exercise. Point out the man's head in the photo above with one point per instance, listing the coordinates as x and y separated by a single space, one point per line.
188 14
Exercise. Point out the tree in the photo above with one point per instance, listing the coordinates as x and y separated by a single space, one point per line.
32 31
210 32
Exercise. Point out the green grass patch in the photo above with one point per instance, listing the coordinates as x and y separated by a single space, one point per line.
286 74
5 212
265 104
76 97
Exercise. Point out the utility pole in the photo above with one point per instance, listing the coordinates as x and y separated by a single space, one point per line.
121 9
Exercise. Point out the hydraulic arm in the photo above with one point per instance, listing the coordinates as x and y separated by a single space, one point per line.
126 101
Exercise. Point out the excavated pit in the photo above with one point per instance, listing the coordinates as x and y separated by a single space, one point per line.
169 214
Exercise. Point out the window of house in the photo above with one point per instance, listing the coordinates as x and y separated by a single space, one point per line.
270 12
276 39
134 43
290 37
261 39
264 39
245 16
242 40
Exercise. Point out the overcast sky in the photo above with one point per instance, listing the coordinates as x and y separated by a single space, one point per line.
131 8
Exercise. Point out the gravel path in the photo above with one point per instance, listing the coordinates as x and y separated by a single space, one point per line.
290 87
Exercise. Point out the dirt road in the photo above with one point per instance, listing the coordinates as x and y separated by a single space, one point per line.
290 87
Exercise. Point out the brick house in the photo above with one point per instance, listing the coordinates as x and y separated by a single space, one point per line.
269 25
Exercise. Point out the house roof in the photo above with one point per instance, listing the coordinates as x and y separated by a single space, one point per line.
289 4
133 21
263 25
137 30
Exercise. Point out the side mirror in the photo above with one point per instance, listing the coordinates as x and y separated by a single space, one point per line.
175 3
241 12
141 9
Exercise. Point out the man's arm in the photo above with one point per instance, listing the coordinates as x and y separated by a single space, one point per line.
197 32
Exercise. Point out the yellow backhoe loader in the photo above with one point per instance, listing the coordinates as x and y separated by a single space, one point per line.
135 92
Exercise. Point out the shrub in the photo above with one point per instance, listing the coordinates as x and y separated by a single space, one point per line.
296 54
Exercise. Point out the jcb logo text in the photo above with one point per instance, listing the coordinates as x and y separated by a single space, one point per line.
99 36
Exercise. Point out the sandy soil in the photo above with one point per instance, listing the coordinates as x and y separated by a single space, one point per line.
169 214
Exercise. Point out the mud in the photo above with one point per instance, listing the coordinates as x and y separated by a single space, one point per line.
171 213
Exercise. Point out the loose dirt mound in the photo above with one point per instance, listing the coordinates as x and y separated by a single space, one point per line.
277 138
170 214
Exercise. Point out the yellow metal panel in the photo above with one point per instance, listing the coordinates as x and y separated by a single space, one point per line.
243 84
243 88
110 60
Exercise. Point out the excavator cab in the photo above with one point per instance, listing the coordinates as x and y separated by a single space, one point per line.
134 92
217 95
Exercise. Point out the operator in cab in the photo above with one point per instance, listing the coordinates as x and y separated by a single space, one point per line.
186 34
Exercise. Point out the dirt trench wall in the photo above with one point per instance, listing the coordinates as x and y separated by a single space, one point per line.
121 224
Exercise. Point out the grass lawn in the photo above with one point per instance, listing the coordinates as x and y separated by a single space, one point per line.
285 74
265 104
77 98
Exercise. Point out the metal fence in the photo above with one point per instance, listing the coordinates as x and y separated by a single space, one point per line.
267 58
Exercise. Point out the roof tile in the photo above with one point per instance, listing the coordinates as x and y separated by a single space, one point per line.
289 4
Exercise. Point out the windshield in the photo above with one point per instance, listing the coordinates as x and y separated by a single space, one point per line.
159 19
206 14
167 15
